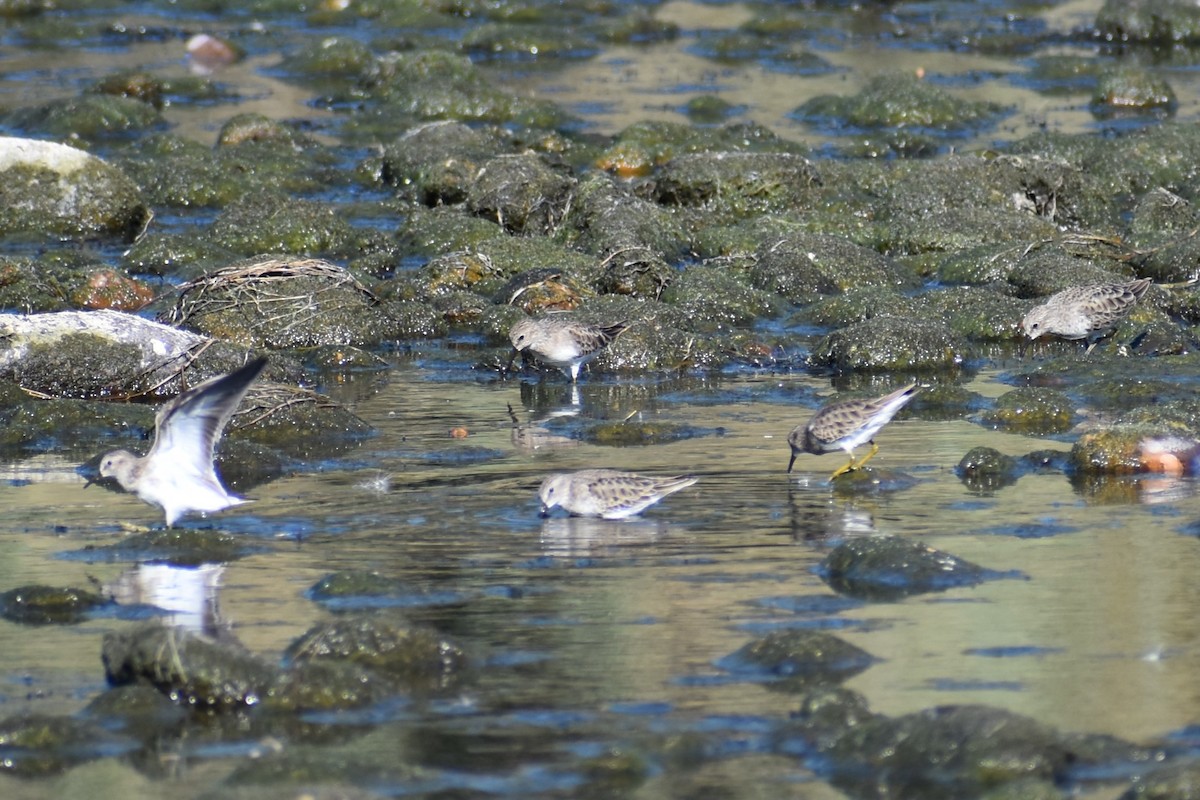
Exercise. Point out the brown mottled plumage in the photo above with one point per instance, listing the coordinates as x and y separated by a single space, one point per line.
606 493
845 425
562 341
1084 312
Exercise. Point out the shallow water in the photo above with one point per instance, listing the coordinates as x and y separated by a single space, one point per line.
601 632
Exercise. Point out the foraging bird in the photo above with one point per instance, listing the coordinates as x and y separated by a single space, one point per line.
562 341
177 474
1084 312
845 425
606 493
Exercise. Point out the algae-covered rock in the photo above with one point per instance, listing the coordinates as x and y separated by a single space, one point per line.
411 654
1117 450
897 100
1175 780
799 659
1032 410
1163 22
986 469
947 752
51 189
801 266
188 668
179 546
521 192
1130 88
49 605
605 217
272 222
890 344
37 745
889 568
282 303
714 299
738 184
90 116
978 313
436 164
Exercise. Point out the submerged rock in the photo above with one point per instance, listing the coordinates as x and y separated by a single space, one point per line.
899 100
51 189
890 568
49 605
1032 410
37 745
797 659
208 675
985 469
179 546
417 656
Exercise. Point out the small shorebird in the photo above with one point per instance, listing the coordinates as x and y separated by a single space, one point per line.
845 425
606 493
177 474
1084 312
562 341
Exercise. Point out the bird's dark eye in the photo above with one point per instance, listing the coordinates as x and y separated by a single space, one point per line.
550 490
521 338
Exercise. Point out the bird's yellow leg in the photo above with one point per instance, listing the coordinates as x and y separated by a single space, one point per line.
849 467
867 457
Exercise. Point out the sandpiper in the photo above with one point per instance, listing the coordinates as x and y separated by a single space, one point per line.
1084 312
177 474
607 493
845 425
562 341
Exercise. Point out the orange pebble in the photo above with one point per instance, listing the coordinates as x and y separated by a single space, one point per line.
458 433
1166 463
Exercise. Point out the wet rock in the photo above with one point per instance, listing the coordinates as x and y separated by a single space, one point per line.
633 433
890 344
302 423
985 469
272 222
800 267
51 189
1130 88
857 305
107 288
738 184
246 128
488 268
93 117
282 303
49 605
189 669
434 231
136 85
507 40
1032 410
414 655
1112 451
890 568
607 219
179 546
436 164
798 659
947 752
520 192
980 314
1163 231
1164 22
716 300
1175 780
899 100
106 353
1025 789
433 84
708 109
37 745
355 583
328 56
537 291
137 709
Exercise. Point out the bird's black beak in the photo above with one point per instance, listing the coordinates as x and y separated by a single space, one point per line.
508 366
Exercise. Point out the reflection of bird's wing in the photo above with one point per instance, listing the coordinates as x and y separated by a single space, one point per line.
188 428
